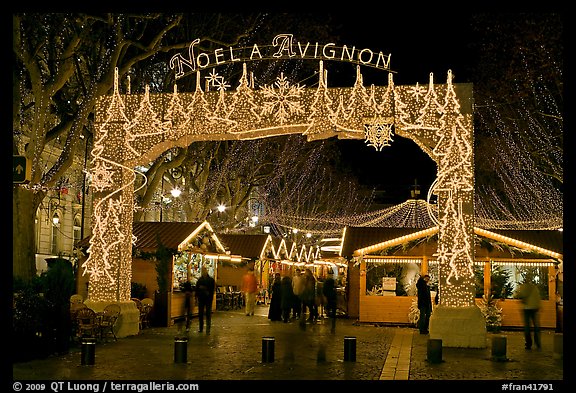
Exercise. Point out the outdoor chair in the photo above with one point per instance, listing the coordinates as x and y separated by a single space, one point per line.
138 302
86 323
145 311
74 308
108 319
76 299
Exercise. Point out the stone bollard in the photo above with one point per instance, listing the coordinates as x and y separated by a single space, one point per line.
499 348
434 350
88 351
268 349
180 349
558 345
349 349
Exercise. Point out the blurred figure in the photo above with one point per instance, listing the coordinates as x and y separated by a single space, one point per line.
309 297
530 296
297 289
188 292
205 287
424 303
249 288
287 301
275 309
330 296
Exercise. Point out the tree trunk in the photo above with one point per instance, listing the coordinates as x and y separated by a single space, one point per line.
23 239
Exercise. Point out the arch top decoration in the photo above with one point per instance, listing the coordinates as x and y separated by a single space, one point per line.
133 129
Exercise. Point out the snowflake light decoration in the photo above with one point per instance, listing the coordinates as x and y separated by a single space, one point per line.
101 178
378 134
283 99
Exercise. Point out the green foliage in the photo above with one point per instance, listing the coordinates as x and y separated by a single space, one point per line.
163 265
479 281
41 319
501 286
59 282
492 313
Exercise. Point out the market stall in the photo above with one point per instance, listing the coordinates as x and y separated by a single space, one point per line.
388 261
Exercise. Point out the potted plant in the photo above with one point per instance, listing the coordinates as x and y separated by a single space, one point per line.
492 313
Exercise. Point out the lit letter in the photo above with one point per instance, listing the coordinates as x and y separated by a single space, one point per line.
360 56
284 41
350 54
255 50
203 55
303 53
177 60
331 51
218 54
316 50
385 62
232 58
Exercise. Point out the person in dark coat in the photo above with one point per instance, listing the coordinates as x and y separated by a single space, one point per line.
287 301
205 287
309 297
330 296
275 309
424 303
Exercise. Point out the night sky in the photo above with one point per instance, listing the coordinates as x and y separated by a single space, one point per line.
419 44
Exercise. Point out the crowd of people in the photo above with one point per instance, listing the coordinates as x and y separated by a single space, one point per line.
302 298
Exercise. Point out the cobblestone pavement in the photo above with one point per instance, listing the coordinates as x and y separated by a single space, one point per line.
234 351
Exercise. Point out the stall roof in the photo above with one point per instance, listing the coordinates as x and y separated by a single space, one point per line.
356 238
172 234
245 245
546 242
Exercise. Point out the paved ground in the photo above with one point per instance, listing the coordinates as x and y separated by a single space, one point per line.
233 352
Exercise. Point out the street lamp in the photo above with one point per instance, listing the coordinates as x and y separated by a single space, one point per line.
175 192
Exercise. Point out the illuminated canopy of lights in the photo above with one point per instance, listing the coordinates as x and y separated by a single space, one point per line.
413 213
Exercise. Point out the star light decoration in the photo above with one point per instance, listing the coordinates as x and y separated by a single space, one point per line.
134 129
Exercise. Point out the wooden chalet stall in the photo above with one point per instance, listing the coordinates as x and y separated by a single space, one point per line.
254 251
191 245
384 264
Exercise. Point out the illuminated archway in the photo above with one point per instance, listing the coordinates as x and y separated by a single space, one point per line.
134 129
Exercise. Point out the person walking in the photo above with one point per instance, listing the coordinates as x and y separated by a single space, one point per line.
530 295
309 297
249 288
275 308
188 292
330 296
205 287
424 303
297 289
287 300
